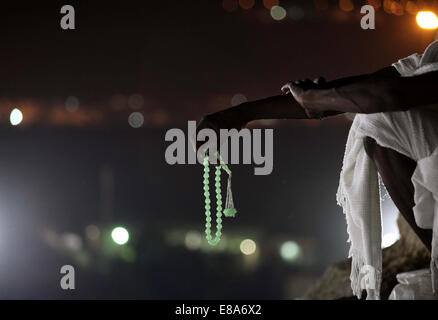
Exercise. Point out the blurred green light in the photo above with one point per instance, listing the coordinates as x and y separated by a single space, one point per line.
120 235
290 250
278 13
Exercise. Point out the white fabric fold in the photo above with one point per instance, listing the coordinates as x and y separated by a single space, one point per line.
358 194
413 133
425 180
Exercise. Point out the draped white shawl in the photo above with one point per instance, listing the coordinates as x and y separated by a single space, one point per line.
413 133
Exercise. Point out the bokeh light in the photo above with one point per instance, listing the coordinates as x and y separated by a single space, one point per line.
160 117
346 5
387 4
92 232
193 240
246 4
71 241
16 117
248 247
290 250
238 98
411 7
71 104
135 101
278 13
427 20
136 119
270 3
375 3
397 8
120 235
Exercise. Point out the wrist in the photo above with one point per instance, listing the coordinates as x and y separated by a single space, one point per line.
317 102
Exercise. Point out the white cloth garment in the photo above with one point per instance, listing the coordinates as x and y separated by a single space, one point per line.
413 133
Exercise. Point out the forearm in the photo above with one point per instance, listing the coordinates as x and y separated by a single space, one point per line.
357 94
376 93
370 95
275 107
366 96
286 107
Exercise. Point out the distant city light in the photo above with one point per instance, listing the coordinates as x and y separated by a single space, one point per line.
397 8
346 5
389 239
246 4
160 117
270 3
16 117
411 7
237 99
375 3
192 240
71 241
120 235
427 20
248 247
92 232
135 101
72 103
278 13
290 250
136 119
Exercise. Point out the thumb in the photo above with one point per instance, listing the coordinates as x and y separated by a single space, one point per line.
287 88
296 91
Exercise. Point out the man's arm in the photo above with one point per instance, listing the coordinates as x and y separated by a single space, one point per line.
384 91
381 91
285 106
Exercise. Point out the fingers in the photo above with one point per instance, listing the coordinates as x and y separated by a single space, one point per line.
320 81
304 84
290 86
286 88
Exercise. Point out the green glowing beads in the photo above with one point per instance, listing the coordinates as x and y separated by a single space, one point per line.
228 212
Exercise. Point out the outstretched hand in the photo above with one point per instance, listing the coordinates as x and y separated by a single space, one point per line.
225 119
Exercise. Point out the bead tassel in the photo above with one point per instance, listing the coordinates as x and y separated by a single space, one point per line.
229 211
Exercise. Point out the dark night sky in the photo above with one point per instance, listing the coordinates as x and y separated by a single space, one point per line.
186 57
